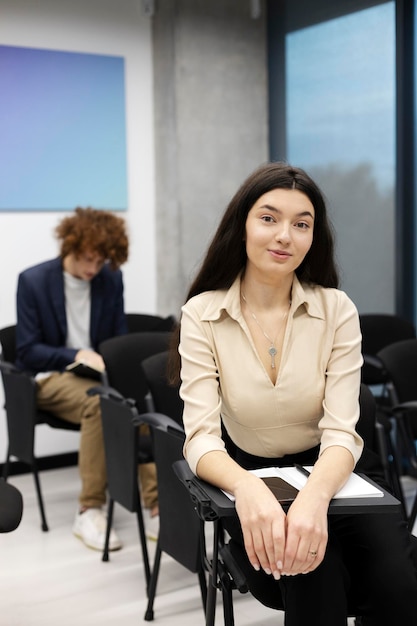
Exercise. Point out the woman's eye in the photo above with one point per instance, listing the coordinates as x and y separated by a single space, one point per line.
302 225
267 218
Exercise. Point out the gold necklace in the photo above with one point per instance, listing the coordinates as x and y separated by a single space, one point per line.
272 351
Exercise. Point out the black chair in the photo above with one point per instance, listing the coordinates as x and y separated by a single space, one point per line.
400 363
145 322
181 532
162 397
23 414
123 356
228 567
378 331
124 449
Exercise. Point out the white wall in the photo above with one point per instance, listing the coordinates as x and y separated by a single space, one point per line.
100 27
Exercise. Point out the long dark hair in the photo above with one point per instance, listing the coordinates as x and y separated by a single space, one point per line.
226 255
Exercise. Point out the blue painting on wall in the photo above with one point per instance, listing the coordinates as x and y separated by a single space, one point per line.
62 130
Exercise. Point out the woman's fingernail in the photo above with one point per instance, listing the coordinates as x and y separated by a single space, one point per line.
267 571
277 575
256 567
279 565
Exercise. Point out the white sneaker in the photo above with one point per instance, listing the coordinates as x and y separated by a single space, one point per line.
151 525
90 526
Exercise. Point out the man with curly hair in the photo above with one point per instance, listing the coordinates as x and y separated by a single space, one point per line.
65 308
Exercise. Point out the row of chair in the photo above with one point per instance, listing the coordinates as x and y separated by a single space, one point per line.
123 417
389 347
22 413
137 393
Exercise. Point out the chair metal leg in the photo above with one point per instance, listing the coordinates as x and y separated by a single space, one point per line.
142 537
391 468
211 566
110 508
44 524
413 515
152 584
203 587
211 602
228 613
6 466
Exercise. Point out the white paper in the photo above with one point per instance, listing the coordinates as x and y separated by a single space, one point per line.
355 487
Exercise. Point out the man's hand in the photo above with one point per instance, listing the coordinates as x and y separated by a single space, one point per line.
89 357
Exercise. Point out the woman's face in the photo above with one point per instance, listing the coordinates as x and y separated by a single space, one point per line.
279 232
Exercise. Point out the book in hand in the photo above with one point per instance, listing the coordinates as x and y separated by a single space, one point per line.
80 368
285 483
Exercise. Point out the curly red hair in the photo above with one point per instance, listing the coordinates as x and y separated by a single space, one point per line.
91 230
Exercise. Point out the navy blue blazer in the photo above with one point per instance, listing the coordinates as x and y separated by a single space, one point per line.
41 318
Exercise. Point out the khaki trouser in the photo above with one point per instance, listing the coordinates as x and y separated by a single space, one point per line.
148 484
65 395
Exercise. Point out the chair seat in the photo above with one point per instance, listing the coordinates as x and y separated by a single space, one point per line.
45 417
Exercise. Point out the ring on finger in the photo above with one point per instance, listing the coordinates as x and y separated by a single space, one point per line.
313 553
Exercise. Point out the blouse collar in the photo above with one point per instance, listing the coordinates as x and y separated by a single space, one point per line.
302 295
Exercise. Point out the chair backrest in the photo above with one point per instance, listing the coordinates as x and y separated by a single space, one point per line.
378 331
123 356
121 444
367 418
144 322
8 343
21 413
179 526
166 398
400 361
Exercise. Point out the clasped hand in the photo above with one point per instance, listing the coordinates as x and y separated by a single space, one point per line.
280 543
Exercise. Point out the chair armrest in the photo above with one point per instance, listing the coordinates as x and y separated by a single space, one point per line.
404 407
375 362
9 368
105 391
158 420
211 503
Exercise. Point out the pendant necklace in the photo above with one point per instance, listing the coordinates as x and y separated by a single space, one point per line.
272 351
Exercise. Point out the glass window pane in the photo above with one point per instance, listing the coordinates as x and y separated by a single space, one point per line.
340 91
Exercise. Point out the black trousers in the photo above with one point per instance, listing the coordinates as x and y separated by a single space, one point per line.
369 569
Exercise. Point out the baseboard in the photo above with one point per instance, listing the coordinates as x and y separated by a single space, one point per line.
55 461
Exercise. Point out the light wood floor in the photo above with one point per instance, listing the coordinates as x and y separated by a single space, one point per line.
51 578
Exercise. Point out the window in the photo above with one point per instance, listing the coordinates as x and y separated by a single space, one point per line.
339 90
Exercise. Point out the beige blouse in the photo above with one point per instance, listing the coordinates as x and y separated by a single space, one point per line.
316 396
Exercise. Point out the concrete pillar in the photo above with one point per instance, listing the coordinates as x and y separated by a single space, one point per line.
210 125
